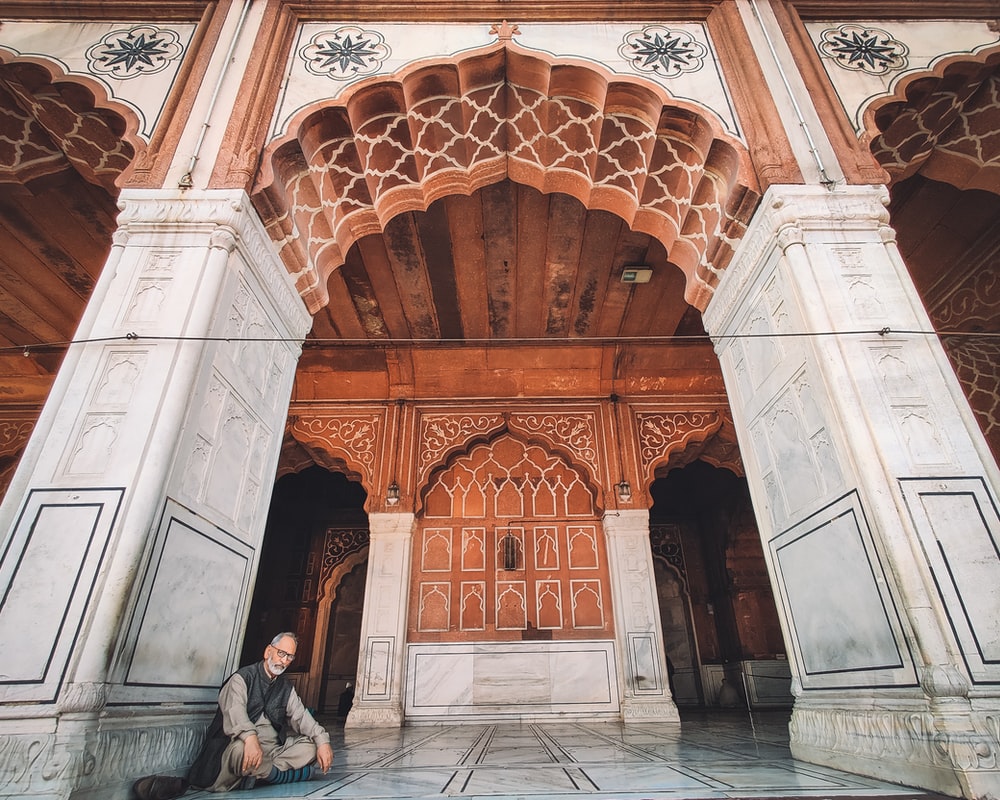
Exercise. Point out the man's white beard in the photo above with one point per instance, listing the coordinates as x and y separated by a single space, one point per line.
275 667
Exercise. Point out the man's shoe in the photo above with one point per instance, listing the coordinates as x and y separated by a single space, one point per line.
249 782
159 787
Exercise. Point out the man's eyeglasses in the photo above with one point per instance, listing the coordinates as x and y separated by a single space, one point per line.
284 656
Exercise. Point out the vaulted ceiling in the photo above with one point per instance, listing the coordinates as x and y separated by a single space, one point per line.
506 262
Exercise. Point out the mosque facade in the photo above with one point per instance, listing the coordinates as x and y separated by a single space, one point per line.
530 361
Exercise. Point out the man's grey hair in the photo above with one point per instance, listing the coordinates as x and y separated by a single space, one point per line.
284 635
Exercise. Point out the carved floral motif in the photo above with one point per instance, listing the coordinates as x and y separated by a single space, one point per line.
345 53
661 433
142 50
573 431
354 438
663 51
439 433
864 49
339 544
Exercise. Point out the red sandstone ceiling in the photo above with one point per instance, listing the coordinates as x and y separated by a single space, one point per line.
506 262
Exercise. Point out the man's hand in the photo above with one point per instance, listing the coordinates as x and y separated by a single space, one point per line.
324 757
252 754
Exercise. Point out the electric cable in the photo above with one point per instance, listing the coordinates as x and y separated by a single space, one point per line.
29 349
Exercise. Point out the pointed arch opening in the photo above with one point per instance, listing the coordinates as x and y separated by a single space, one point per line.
311 581
717 610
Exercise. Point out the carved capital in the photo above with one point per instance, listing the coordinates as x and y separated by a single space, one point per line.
789 235
223 239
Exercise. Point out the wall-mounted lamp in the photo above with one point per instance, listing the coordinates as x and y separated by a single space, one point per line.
623 487
392 490
624 490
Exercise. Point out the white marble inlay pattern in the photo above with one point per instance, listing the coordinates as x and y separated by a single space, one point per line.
712 756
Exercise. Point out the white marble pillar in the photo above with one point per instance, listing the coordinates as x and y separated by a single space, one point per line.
875 494
378 698
132 530
645 688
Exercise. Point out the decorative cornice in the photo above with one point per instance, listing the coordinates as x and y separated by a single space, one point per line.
894 9
146 10
520 10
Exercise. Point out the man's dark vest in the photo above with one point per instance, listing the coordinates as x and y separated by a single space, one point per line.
266 696
263 697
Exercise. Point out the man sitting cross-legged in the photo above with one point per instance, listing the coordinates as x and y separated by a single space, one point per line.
262 733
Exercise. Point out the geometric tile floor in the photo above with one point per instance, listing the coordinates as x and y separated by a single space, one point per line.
712 755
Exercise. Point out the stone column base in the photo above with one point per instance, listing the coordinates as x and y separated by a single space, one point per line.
87 760
367 716
638 710
908 746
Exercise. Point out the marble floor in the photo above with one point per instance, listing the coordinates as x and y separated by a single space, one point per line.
713 755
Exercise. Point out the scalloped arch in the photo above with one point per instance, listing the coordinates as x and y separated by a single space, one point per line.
67 121
489 439
388 146
942 123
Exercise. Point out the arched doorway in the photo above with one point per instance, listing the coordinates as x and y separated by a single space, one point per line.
311 581
717 609
343 635
679 642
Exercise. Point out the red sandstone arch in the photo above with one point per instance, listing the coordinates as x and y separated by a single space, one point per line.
943 123
489 438
617 144
52 122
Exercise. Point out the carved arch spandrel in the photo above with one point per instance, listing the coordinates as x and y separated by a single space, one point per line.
572 435
669 439
617 144
343 550
942 124
557 452
348 443
442 435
